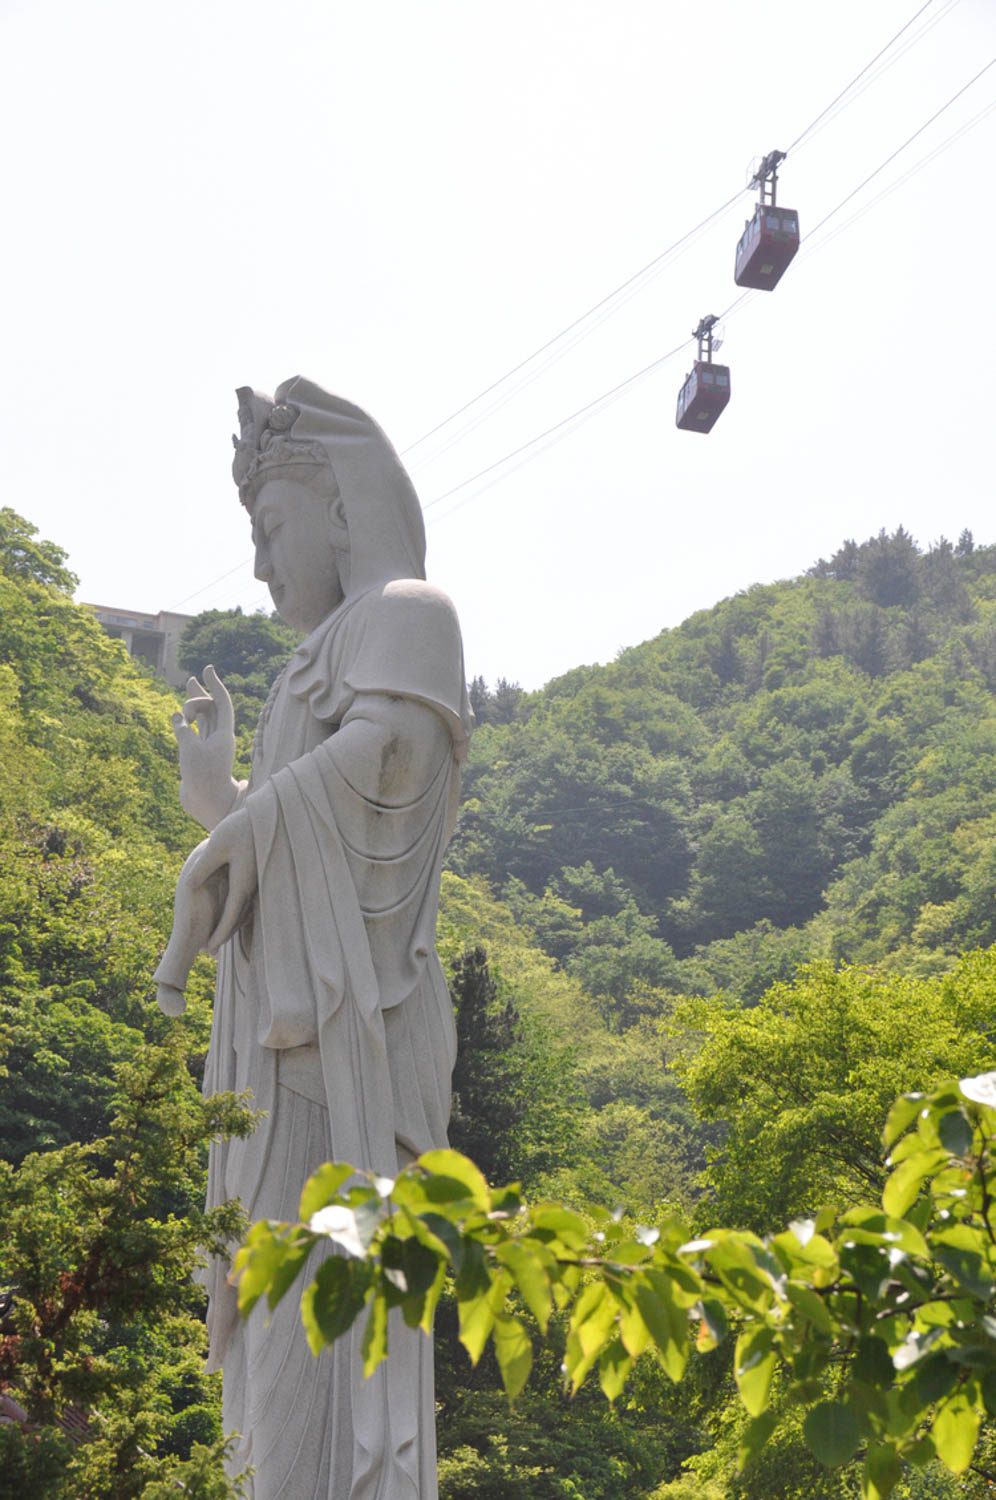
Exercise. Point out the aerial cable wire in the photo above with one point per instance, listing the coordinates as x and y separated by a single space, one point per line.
561 428
197 592
591 407
870 79
908 142
811 127
581 318
635 282
559 347
601 400
901 181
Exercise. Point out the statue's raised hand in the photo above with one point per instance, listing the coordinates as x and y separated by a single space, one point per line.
207 788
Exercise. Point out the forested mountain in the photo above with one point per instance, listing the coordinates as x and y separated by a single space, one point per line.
801 775
805 769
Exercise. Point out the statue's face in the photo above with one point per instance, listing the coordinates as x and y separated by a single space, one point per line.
295 552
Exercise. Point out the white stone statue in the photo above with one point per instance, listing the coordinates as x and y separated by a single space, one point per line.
317 887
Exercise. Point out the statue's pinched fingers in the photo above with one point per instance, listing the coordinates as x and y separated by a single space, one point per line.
221 699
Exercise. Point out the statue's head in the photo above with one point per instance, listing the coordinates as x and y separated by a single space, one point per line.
333 511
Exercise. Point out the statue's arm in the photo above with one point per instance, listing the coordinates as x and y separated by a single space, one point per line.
388 749
208 790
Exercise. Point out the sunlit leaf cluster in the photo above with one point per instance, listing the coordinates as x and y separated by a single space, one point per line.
878 1322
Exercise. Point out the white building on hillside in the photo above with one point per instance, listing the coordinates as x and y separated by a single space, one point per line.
154 639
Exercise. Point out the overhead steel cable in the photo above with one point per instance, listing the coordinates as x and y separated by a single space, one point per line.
633 283
908 142
197 592
581 318
601 400
590 407
508 388
901 181
858 76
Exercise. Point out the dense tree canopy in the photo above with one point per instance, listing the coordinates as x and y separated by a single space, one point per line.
705 918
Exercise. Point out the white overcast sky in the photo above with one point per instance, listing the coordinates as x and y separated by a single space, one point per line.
401 199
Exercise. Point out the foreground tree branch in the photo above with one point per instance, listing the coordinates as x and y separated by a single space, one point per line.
878 1321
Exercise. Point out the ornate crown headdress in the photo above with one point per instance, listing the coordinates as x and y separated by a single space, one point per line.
264 443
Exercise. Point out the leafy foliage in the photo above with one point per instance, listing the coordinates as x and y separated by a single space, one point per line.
798 776
876 1322
99 1245
808 755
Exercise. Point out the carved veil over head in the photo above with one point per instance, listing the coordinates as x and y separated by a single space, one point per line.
304 432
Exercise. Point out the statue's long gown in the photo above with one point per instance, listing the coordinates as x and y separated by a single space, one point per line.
333 1011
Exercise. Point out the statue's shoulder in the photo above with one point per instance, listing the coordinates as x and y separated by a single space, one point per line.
405 640
406 605
410 594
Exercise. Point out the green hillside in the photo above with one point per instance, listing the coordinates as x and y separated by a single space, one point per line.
788 800
805 769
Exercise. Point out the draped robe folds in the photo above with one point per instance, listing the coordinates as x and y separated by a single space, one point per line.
332 1009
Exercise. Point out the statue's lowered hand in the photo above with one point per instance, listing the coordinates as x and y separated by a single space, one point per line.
196 908
214 889
207 790
230 851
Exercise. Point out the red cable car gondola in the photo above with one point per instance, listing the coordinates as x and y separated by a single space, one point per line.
706 390
771 238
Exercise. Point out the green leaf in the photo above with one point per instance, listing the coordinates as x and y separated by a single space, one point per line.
633 1331
753 1367
332 1303
506 1200
756 1434
904 1183
412 1269
831 1433
443 1231
735 1264
811 1306
267 1259
920 1452
955 1132
667 1322
869 1406
531 1273
552 1222
614 1365
816 1251
322 1186
955 1430
589 1331
900 1117
297 1249
873 1362
514 1350
934 1379
868 1226
453 1179
989 1392
714 1326
476 1323
961 1250
374 1346
882 1472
